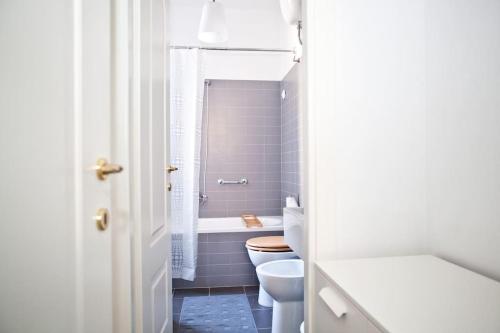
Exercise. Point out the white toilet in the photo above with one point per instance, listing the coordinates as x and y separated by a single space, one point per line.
265 249
283 280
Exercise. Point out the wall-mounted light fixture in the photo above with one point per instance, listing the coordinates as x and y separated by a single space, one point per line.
213 27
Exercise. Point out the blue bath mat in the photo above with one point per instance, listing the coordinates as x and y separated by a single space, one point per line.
217 314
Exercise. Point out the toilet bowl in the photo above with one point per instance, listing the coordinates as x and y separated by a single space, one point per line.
283 280
265 249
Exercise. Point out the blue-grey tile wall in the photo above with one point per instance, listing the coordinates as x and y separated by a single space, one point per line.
223 261
244 140
291 147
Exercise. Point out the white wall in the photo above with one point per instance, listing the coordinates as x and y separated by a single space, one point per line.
380 125
463 132
404 135
369 127
267 66
251 24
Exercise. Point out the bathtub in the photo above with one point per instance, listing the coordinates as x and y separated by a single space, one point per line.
236 224
222 257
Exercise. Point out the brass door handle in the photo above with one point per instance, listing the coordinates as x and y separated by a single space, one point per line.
171 168
103 169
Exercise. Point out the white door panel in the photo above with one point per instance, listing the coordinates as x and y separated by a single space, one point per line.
56 87
54 125
37 222
151 260
92 132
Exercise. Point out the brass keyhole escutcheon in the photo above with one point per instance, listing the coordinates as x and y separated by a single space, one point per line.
102 219
169 187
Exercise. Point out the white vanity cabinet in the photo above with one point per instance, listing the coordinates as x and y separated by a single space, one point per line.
335 313
413 294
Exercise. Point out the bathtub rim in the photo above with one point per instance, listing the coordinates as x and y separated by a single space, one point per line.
235 224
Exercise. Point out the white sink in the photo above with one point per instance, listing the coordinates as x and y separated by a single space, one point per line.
293 224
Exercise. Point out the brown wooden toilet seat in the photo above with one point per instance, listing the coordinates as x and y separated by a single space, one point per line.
267 244
261 249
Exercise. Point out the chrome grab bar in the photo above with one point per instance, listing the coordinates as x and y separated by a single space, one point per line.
242 181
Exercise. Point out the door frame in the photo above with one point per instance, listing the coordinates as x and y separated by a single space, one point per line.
120 151
319 238
316 89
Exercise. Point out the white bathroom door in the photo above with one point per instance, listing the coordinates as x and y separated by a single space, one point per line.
55 123
92 137
150 122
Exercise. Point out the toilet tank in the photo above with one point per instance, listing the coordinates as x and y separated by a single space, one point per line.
293 224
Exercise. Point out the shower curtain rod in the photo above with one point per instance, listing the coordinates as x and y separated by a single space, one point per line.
181 47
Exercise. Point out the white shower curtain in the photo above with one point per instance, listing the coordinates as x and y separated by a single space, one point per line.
186 106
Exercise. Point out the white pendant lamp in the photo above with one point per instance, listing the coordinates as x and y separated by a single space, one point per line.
213 23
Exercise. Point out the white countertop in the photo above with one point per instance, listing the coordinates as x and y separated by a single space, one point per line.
418 294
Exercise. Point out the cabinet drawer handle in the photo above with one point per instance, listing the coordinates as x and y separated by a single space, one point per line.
333 301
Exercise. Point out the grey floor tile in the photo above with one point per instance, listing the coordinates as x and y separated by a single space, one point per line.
263 318
252 290
226 291
177 305
180 293
176 322
253 300
199 282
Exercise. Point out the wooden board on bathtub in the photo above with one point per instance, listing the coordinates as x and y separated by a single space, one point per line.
251 221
